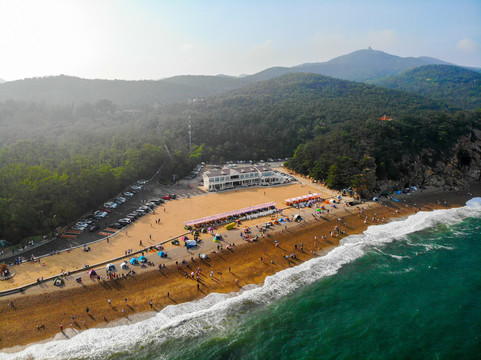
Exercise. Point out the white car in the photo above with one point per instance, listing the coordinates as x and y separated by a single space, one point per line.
110 205
101 213
81 225
124 221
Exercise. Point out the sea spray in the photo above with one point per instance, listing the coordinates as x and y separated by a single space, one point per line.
220 312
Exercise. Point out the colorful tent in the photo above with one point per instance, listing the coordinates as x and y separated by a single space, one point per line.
190 243
134 261
230 226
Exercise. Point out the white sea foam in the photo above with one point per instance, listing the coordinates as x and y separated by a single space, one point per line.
217 311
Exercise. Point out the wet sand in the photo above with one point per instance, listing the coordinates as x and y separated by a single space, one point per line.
232 269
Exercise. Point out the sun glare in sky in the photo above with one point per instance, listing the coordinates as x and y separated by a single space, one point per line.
116 39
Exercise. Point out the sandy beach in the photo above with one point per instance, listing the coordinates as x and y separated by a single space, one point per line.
45 311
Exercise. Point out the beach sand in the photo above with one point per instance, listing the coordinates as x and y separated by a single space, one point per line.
245 263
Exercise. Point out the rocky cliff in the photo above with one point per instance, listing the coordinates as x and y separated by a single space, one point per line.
458 168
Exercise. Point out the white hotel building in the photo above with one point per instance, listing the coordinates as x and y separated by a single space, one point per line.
229 178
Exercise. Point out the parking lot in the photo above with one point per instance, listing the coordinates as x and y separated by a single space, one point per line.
151 190
185 188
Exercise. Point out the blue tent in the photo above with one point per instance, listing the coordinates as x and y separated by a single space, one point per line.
190 243
134 261
142 259
162 254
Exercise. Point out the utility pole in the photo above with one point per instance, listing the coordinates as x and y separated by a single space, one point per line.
190 135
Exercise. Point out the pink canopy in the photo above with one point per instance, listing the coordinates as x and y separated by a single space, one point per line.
225 215
303 198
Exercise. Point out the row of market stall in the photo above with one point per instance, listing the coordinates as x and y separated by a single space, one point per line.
303 198
229 216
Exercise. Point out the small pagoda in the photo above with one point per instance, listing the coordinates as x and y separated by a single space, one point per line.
385 118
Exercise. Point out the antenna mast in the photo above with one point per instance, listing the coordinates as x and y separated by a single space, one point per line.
190 135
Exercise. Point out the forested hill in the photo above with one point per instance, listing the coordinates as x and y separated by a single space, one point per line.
73 90
65 160
269 119
453 84
363 65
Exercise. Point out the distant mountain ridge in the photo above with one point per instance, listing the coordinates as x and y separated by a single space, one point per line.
64 89
365 65
368 66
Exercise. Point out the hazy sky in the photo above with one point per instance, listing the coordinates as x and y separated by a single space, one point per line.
142 39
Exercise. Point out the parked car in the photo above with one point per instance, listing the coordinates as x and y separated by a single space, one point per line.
166 197
104 209
81 225
142 182
157 201
101 213
116 226
75 228
136 187
151 204
129 194
132 216
145 208
111 205
140 212
173 196
120 200
93 227
124 221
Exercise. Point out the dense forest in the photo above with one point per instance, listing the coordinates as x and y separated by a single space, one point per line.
452 84
59 161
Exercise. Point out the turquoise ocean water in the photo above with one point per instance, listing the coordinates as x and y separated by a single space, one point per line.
409 289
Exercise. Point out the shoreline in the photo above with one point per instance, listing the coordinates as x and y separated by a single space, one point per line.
243 260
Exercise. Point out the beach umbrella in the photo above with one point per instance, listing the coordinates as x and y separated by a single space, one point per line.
134 261
142 259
